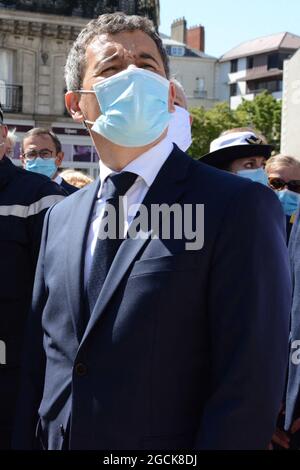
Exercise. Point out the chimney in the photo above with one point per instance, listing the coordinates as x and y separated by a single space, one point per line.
195 38
178 30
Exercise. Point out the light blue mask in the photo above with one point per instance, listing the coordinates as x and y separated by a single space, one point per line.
258 175
43 166
134 107
290 201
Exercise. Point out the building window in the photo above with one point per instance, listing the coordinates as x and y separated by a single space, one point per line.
233 66
200 84
177 51
200 91
6 69
270 85
273 61
250 62
233 89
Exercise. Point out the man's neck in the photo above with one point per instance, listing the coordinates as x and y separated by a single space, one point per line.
116 157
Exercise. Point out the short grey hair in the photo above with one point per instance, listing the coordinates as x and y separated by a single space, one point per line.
107 24
280 161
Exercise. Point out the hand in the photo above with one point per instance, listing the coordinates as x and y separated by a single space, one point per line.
280 437
295 426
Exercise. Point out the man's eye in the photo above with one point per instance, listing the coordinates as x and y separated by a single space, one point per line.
148 66
109 70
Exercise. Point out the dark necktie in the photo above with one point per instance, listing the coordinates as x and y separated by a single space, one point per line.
106 248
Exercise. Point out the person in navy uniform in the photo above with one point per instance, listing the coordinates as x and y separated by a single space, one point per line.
242 151
146 342
42 153
24 200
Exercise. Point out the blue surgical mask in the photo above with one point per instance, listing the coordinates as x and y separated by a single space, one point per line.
134 107
43 166
290 201
258 175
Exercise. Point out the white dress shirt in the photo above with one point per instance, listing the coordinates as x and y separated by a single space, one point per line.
58 180
146 166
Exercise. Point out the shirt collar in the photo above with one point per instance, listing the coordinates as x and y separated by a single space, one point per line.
146 166
58 180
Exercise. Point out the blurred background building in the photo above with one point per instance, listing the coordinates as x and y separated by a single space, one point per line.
290 124
190 64
254 66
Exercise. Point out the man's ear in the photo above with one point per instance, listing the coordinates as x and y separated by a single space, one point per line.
4 130
72 99
172 95
59 158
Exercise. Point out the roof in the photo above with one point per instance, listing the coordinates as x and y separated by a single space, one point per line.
167 41
258 74
263 44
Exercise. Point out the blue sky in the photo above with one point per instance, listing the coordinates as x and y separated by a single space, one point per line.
230 22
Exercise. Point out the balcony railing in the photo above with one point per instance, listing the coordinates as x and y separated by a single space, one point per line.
261 90
11 98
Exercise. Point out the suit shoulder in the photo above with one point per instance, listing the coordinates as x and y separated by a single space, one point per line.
72 201
222 188
215 178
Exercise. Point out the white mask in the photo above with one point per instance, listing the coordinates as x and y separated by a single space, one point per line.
180 131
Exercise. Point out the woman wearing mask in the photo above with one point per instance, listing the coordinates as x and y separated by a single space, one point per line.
242 151
284 178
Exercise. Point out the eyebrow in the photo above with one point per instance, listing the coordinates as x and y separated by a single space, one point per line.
114 57
42 150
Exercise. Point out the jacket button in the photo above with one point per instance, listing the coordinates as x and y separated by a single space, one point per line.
80 369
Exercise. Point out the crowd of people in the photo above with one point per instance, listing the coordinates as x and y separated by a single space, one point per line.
115 342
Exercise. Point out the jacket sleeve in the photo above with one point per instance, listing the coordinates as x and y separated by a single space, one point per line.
32 376
249 309
48 194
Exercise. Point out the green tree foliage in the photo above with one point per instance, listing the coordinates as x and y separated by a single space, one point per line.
263 114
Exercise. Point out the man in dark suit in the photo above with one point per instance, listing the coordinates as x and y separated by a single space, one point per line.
152 342
42 153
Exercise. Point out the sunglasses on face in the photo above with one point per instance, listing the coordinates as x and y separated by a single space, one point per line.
279 184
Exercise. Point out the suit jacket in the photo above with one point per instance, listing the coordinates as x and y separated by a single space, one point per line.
293 386
184 349
68 188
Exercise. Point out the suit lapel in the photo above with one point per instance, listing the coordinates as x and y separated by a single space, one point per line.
78 232
166 188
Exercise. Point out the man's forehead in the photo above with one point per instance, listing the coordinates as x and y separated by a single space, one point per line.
36 140
106 45
289 172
